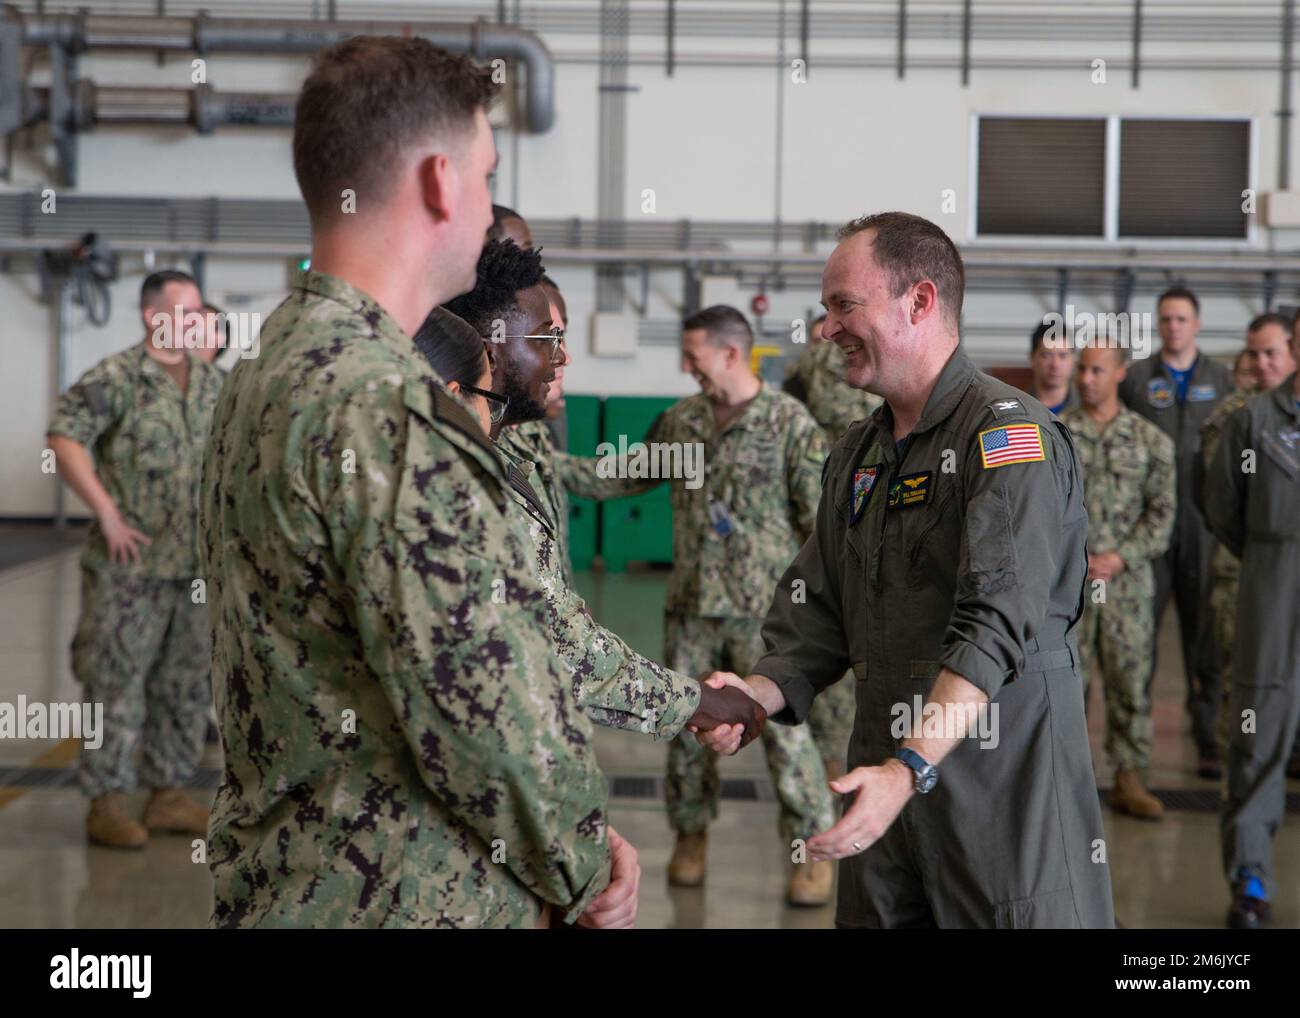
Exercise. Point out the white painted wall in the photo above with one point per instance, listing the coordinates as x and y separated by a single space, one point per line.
704 140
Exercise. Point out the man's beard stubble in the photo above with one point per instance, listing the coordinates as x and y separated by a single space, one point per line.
524 405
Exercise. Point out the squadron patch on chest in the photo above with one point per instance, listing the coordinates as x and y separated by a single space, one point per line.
1160 394
864 482
908 490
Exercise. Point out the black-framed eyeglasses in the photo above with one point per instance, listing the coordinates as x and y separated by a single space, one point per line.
555 337
496 402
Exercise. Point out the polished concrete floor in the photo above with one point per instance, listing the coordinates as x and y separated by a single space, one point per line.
1165 874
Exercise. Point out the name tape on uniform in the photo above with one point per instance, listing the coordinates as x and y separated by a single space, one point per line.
908 490
1011 443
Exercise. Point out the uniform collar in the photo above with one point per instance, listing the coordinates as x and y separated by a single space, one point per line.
948 391
385 327
1191 372
1123 423
1285 398
702 421
156 373
507 444
516 443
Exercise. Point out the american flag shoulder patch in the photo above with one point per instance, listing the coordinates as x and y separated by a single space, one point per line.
1011 443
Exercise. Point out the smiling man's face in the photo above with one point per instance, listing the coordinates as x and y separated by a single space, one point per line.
863 318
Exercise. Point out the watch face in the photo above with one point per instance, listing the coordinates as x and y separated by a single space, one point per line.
927 779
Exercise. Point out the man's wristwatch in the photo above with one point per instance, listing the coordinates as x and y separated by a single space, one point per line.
924 775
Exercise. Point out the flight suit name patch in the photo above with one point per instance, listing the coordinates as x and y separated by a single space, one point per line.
908 490
1160 393
864 482
1202 393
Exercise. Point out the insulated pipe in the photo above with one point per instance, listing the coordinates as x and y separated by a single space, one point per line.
202 107
77 33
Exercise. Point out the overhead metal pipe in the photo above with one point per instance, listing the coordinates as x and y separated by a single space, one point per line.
202 107
202 34
1002 261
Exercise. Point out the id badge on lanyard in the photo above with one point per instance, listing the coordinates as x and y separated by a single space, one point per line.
720 518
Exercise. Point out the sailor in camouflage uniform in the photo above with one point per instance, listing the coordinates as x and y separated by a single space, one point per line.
1177 390
142 646
734 530
618 687
1130 484
403 746
532 441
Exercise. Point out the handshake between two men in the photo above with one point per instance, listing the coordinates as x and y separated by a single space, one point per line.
731 714
721 725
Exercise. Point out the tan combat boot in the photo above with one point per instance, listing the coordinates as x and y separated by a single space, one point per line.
172 811
686 868
108 823
810 883
1131 797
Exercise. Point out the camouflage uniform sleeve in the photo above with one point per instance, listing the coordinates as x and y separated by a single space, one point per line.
585 476
90 406
1210 433
1225 484
616 686
806 456
1154 529
483 702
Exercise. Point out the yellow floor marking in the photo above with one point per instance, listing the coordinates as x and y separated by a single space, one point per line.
59 755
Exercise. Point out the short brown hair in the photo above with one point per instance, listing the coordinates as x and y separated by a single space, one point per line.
1179 293
154 284
723 324
911 249
366 99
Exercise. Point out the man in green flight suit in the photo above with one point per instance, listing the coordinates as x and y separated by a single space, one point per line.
947 569
1251 494
1268 356
1177 390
